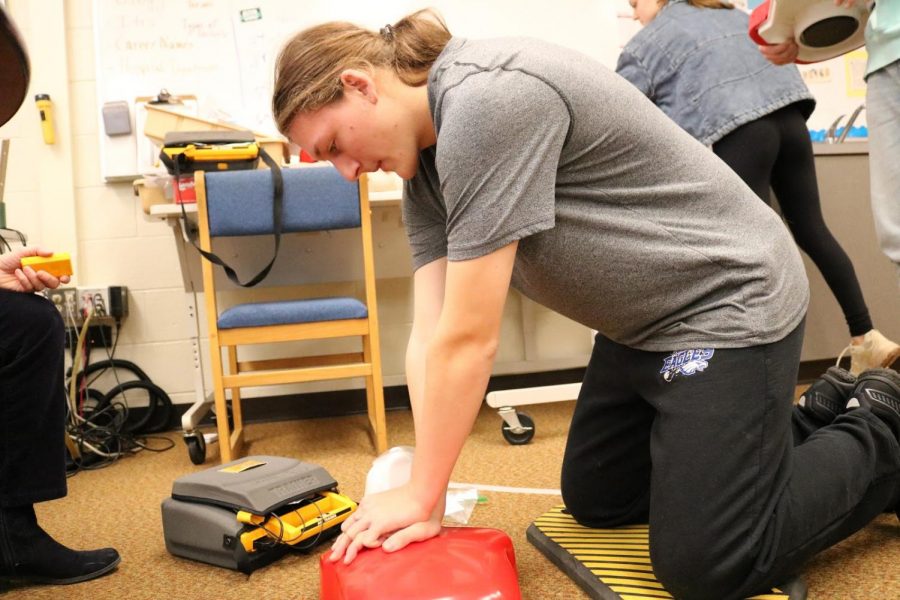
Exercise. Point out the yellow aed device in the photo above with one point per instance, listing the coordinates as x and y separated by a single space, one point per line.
216 154
309 518
57 264
185 152
45 109
249 512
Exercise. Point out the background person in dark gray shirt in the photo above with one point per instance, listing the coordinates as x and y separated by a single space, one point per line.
530 165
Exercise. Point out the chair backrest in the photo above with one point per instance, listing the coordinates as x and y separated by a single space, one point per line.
315 198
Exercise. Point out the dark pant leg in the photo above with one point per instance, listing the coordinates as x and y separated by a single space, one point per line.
775 150
734 506
32 400
606 469
750 151
795 186
721 451
803 425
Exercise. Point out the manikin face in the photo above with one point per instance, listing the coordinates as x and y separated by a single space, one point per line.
644 10
362 132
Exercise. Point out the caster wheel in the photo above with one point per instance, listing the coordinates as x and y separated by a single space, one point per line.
196 448
523 437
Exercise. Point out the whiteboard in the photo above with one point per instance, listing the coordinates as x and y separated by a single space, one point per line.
223 51
143 46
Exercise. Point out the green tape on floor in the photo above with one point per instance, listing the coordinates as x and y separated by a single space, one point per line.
613 564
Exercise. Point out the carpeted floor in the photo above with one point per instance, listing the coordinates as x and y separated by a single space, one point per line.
119 506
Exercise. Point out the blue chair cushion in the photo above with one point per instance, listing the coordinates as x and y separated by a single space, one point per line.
289 312
315 199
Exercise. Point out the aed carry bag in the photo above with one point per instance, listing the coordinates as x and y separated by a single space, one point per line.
185 152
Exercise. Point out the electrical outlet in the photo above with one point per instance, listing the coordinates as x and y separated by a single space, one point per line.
70 303
56 297
65 299
93 300
103 301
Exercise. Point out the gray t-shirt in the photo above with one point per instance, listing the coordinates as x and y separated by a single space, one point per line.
625 222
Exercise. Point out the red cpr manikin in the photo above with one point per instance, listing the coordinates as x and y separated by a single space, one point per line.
461 563
821 29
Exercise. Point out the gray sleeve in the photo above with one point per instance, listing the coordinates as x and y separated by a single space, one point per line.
631 69
498 151
424 216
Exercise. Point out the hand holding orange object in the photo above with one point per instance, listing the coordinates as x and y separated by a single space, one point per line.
19 274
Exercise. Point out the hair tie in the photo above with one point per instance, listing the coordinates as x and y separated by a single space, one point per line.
387 32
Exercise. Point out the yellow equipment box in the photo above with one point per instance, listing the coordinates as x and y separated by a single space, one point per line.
184 152
57 264
224 153
292 527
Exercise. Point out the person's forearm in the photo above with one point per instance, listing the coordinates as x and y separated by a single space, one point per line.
456 375
415 376
415 382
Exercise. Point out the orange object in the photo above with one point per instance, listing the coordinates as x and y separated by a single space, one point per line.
57 264
305 157
461 563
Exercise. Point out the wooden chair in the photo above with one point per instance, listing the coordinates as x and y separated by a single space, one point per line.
239 203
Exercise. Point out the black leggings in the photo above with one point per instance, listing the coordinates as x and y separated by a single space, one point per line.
776 150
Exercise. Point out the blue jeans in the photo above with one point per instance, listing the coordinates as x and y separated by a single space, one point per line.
704 450
883 119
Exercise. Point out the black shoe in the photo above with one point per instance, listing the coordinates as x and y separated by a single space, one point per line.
29 555
827 397
879 391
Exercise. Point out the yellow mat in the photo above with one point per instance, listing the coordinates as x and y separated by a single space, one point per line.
613 564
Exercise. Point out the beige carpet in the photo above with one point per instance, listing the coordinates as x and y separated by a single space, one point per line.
119 506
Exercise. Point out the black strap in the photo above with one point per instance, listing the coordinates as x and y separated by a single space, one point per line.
277 201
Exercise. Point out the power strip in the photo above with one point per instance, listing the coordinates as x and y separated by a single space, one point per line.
103 301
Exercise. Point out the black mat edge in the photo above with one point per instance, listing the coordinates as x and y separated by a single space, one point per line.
569 565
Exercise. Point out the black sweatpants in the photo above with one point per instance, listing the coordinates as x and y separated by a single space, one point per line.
699 444
776 150
32 400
